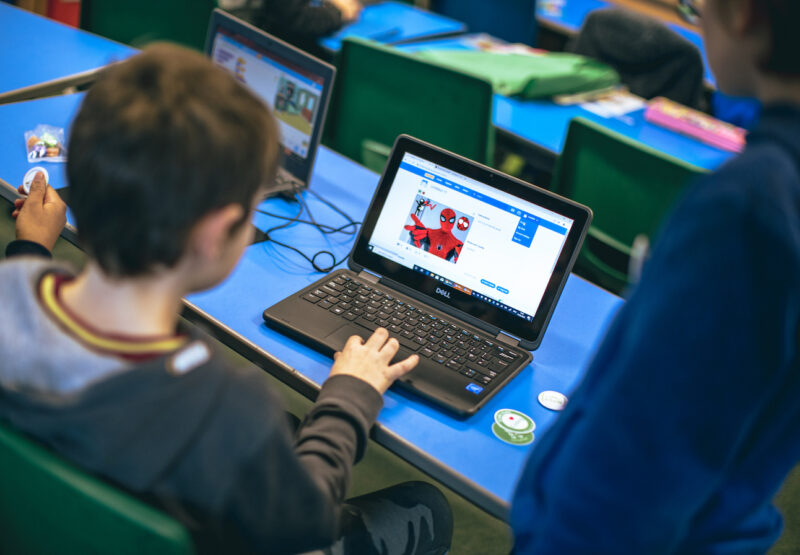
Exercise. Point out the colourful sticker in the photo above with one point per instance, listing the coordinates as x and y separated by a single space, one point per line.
513 427
508 437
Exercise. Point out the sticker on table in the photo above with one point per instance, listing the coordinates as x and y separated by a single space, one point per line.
553 400
615 104
513 427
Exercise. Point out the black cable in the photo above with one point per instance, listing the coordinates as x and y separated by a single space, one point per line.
350 228
329 228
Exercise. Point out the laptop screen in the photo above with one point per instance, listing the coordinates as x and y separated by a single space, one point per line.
488 244
467 236
294 84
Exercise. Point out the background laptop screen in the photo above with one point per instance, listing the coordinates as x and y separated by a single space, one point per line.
294 93
509 246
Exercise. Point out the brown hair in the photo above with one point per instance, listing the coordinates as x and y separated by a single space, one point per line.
160 141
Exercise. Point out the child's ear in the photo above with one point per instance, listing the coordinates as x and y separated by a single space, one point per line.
210 235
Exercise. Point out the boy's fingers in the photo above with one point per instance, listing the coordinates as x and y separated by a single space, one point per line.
37 189
377 339
390 349
403 367
19 202
352 342
21 190
51 195
39 178
15 213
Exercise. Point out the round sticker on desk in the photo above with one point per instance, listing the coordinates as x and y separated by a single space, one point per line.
513 427
553 400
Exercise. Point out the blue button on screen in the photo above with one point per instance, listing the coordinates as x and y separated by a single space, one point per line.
487 283
502 289
474 388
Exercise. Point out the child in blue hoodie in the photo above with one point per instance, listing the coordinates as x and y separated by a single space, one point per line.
688 419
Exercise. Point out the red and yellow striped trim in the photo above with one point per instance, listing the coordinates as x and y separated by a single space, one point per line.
124 346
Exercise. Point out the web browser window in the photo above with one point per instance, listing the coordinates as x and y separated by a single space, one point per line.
470 236
292 93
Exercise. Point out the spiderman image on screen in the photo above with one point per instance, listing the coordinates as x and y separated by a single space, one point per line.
422 202
440 242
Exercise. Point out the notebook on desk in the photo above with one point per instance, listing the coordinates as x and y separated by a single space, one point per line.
294 84
461 263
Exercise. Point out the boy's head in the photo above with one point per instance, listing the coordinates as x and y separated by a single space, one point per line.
749 42
166 151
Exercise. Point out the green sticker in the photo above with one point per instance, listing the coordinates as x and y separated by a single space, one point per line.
513 427
512 438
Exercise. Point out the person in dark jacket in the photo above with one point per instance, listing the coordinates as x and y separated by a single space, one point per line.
169 155
300 22
687 421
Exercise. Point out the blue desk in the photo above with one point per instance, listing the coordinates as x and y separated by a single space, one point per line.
23 116
34 49
543 124
465 455
394 23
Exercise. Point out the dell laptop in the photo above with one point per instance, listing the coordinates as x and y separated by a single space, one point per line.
294 84
461 263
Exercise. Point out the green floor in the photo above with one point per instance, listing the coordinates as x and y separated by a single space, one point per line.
476 532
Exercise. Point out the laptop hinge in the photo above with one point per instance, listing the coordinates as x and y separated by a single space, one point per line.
366 275
507 339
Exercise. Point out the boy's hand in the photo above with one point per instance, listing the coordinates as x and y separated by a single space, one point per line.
41 216
350 9
369 361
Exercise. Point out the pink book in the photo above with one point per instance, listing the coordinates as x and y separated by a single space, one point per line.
680 118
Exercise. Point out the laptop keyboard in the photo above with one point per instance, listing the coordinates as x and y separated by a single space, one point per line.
445 343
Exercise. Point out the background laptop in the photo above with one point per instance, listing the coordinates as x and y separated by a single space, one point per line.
461 263
296 85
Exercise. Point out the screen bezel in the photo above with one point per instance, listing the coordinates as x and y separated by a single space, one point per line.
264 40
530 333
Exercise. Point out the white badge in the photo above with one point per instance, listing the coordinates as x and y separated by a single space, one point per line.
553 400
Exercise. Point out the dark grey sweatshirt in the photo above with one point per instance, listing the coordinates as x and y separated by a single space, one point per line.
207 442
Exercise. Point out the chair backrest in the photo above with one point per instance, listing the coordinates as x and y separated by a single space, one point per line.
381 93
138 22
510 20
49 506
629 186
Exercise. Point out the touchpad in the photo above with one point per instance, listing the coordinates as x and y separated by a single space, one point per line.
338 338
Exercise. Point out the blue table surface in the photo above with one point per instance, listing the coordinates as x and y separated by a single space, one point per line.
572 13
545 123
392 22
34 49
266 274
24 116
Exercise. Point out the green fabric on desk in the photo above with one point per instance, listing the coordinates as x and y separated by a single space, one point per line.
529 76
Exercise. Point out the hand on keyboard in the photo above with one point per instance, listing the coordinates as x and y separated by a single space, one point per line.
369 361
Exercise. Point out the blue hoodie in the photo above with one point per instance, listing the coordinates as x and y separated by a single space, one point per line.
688 419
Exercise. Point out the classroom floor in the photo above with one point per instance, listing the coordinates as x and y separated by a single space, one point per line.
476 532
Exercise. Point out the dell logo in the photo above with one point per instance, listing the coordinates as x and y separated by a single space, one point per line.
442 292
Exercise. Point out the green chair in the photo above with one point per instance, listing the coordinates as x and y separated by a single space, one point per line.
138 22
381 93
48 506
629 186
